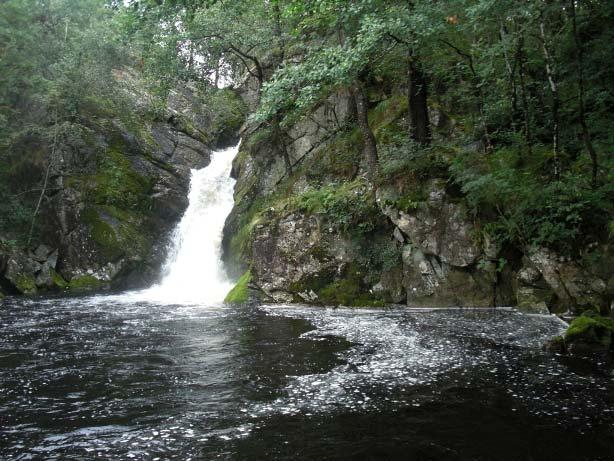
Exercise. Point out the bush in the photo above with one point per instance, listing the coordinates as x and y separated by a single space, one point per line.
523 206
404 157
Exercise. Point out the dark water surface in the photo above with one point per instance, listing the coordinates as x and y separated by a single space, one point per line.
109 378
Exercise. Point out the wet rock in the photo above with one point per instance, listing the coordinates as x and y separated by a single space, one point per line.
575 287
21 272
191 152
556 345
391 284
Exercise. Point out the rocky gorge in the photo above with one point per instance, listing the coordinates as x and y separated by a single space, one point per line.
307 225
117 191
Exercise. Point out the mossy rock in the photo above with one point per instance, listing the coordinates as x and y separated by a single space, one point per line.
229 115
26 284
117 184
334 290
347 292
240 293
117 232
85 283
589 333
58 280
103 234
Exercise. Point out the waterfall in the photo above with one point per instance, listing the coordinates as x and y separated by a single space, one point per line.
193 272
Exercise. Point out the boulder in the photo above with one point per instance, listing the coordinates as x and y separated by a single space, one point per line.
589 334
41 253
533 294
21 272
438 227
290 252
430 282
575 287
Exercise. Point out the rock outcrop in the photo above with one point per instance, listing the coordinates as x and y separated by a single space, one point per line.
310 228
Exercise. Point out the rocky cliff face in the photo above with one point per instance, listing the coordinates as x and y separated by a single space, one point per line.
315 231
119 191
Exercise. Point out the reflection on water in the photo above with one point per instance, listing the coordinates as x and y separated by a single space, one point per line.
111 378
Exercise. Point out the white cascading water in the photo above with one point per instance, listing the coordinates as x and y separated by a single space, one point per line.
194 273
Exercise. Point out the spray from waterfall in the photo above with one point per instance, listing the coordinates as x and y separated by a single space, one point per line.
193 272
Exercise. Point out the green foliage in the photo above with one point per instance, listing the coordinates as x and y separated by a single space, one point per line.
403 158
387 119
240 292
349 206
526 210
228 111
56 76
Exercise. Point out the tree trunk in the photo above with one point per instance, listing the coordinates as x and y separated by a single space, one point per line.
45 178
279 137
511 73
419 124
279 33
551 75
479 93
370 146
586 135
523 93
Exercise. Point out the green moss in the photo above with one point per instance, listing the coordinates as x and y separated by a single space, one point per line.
133 239
315 282
346 291
127 237
26 284
258 138
240 293
591 330
116 184
103 234
58 280
85 283
340 292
